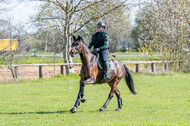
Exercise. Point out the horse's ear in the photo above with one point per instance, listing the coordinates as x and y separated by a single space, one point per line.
79 37
74 37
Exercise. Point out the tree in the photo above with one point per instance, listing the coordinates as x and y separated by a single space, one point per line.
117 22
165 26
11 32
70 17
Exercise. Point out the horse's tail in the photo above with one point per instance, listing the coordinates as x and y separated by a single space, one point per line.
129 80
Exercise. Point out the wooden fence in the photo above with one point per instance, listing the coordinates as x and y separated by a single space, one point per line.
149 62
62 66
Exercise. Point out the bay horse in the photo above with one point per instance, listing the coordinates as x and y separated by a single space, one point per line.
91 74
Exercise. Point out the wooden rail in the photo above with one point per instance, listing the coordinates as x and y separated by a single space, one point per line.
148 62
62 66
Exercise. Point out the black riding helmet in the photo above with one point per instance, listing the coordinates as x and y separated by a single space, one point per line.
101 24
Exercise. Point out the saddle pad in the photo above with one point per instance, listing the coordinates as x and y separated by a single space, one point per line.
111 66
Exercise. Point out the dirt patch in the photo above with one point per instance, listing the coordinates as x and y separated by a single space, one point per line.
32 72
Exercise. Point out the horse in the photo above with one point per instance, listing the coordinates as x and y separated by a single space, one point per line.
90 73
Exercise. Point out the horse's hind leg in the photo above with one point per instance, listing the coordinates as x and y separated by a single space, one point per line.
113 84
119 100
110 96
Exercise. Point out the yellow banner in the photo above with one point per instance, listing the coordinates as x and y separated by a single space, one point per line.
8 45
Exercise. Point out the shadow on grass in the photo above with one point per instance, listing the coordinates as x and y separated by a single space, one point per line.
20 113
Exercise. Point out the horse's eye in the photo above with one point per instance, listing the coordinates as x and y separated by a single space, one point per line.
76 44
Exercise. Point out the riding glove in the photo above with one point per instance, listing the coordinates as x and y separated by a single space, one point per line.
96 50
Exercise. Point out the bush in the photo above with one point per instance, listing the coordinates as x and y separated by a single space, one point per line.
186 67
123 49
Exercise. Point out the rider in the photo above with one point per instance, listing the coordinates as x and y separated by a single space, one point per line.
100 41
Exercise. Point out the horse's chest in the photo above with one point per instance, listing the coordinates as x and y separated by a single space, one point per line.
85 72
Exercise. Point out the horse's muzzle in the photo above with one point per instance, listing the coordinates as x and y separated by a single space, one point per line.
72 53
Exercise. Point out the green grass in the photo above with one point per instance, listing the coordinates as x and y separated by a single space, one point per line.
40 60
127 53
137 53
162 100
120 58
34 60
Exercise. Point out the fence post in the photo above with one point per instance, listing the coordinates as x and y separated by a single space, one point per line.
40 72
166 66
137 68
180 65
16 71
153 67
62 70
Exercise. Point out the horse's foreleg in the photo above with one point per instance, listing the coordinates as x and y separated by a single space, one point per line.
81 92
119 100
83 83
77 102
110 96
80 96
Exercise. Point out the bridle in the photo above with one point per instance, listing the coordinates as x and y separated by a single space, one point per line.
78 48
77 51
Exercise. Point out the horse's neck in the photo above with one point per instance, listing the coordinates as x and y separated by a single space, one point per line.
86 56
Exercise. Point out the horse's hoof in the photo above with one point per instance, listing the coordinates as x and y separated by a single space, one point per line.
83 99
118 109
101 110
73 110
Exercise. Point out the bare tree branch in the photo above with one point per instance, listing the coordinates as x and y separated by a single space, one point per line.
75 7
61 5
49 18
96 17
90 4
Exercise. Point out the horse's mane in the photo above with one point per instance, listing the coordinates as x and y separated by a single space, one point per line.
80 38
84 40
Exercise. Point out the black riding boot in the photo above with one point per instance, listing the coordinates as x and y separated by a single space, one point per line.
106 76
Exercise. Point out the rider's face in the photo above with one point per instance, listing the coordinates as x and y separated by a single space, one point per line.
100 29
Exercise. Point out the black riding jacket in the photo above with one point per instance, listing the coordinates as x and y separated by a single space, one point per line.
99 40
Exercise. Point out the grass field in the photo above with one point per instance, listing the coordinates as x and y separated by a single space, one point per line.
161 100
40 60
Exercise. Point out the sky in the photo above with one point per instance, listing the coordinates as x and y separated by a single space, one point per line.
21 12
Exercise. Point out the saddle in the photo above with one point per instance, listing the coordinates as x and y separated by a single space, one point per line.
109 62
111 69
